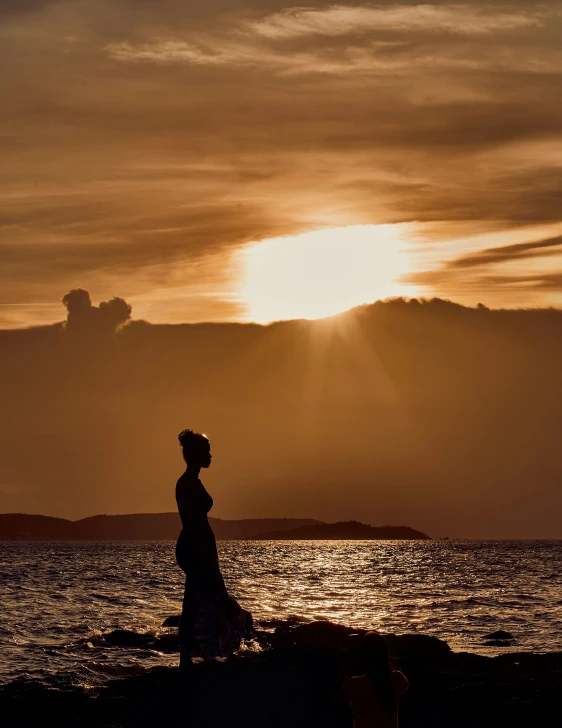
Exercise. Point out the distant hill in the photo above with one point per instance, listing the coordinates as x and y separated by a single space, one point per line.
343 530
250 527
20 526
136 526
166 526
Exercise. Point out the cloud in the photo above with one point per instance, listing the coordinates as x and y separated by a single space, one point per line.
493 256
539 282
523 272
85 321
166 51
9 7
174 133
339 20
343 39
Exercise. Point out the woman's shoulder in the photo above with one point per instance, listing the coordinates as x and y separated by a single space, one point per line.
357 686
186 489
186 480
399 682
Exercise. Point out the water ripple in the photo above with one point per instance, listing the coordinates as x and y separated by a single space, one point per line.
58 599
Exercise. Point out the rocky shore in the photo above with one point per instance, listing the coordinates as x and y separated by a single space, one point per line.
292 682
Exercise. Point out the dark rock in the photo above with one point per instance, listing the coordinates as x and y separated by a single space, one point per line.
322 635
468 662
326 635
274 623
249 629
279 688
416 645
172 621
128 638
167 643
500 643
499 635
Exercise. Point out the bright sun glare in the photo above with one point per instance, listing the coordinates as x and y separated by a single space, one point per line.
323 272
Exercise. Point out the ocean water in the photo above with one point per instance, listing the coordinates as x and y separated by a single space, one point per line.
57 599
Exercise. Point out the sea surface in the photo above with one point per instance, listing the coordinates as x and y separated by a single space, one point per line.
57 599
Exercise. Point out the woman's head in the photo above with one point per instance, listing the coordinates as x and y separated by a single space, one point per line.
196 448
374 649
365 651
369 655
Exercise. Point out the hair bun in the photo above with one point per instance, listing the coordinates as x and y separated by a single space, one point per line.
186 436
190 438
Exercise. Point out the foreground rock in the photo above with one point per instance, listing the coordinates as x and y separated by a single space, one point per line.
293 683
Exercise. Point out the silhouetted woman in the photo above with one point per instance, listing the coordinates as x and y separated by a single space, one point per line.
373 688
212 623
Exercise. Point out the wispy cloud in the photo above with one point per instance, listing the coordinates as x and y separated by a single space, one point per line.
526 268
166 51
344 20
505 253
537 282
355 39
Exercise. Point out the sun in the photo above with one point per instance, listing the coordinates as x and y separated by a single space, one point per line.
324 272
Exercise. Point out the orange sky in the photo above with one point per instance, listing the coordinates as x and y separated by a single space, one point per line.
145 144
434 415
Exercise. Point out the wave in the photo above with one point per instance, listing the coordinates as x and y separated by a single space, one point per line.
56 618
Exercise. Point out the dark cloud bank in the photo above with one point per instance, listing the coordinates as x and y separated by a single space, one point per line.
423 413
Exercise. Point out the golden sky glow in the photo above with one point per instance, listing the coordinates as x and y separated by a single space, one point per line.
323 272
144 145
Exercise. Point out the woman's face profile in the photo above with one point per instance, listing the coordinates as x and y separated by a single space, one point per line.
196 449
205 454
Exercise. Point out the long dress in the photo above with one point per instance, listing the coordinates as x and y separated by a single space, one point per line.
212 623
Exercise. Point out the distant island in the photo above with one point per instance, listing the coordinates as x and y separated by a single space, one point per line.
166 526
131 527
342 530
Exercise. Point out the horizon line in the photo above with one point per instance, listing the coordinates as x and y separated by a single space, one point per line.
420 300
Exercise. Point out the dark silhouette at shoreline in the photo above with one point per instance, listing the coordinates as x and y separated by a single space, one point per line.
212 623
